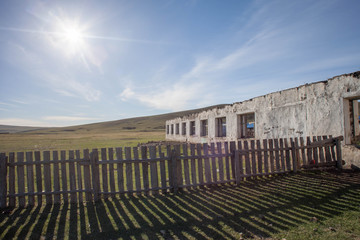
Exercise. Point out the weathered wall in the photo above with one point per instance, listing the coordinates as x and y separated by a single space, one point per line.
309 110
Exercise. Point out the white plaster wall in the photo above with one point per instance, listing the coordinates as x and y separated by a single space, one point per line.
308 110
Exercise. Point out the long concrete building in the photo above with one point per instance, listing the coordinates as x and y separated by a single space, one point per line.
328 107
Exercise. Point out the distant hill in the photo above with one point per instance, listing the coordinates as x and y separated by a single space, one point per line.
148 123
15 129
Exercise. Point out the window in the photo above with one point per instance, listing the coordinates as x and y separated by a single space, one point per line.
167 129
352 120
172 128
221 127
204 128
183 128
246 125
177 129
192 128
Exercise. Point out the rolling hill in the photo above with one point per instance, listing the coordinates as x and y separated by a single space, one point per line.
142 124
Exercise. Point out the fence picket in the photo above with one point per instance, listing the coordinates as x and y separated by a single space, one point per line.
162 170
12 199
259 157
137 171
104 171
237 167
321 151
294 154
213 163
39 177
266 155
20 175
253 157
309 152
272 158
153 170
3 180
63 176
56 177
220 162
193 166
30 178
282 156
277 156
227 163
315 152
327 151
120 169
111 171
200 164
47 177
94 161
129 173
79 175
287 154
87 179
303 155
207 163
186 164
247 159
241 163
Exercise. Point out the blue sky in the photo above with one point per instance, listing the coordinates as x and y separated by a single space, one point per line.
66 63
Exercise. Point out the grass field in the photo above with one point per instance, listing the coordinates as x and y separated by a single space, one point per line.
306 205
75 140
119 133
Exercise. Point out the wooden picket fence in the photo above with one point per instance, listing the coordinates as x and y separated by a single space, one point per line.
74 176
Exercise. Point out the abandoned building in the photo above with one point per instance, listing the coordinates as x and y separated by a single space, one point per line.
328 107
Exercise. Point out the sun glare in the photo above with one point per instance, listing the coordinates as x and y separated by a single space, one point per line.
70 37
73 35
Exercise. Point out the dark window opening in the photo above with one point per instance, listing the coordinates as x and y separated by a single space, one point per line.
192 128
221 127
183 128
246 125
177 129
204 128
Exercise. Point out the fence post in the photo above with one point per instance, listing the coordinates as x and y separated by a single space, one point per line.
294 155
94 158
173 161
3 182
237 167
338 153
232 150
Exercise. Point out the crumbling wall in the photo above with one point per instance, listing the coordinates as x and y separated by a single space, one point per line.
308 110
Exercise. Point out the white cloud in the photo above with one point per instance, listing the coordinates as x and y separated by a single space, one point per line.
68 118
175 98
24 122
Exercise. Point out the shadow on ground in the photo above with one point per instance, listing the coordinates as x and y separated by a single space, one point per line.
257 209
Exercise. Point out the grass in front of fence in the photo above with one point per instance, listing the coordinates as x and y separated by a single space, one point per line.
306 205
20 142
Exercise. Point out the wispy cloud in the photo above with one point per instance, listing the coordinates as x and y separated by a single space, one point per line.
24 122
174 98
68 118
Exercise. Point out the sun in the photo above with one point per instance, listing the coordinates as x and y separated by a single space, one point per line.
73 35
70 37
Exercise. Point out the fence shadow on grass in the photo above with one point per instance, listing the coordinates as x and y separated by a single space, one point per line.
255 208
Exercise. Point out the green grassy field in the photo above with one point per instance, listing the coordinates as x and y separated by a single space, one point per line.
119 133
306 205
77 140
